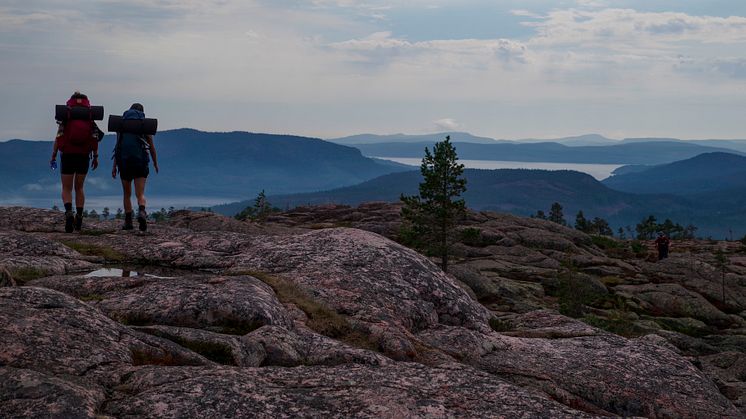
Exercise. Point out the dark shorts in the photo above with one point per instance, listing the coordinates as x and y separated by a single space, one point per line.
72 163
133 172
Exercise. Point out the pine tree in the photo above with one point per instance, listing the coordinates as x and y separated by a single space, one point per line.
119 215
262 208
555 214
646 228
539 215
581 223
433 214
601 226
105 213
93 214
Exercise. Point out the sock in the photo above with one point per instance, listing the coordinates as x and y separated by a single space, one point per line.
69 206
128 215
79 210
141 208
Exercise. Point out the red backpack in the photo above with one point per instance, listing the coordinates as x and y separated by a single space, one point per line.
77 135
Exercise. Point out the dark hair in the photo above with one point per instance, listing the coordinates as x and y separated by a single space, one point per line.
137 107
78 95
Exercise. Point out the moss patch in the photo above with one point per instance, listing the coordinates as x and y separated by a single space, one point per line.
155 357
133 319
498 325
88 249
321 318
25 274
619 323
91 297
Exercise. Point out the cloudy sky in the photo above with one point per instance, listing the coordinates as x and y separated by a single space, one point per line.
499 68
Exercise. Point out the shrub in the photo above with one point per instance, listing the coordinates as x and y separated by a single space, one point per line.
605 242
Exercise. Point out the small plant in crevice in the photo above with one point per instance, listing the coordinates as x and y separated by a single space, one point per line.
321 318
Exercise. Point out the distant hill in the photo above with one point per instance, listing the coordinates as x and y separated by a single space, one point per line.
705 173
462 137
196 163
628 153
517 191
577 141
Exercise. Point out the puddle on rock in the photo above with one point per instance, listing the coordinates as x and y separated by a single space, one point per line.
132 272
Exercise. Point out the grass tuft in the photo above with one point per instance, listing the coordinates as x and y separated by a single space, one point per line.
88 249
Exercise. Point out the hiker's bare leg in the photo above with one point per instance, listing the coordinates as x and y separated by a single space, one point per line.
140 190
127 192
67 189
79 193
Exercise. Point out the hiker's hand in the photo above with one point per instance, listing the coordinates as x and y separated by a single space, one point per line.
94 163
155 165
114 172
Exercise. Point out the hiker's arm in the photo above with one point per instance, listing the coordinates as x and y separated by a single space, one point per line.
94 163
56 145
153 154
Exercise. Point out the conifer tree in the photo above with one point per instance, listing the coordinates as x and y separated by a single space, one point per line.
433 214
581 223
556 215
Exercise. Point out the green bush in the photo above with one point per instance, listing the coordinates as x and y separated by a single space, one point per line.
638 248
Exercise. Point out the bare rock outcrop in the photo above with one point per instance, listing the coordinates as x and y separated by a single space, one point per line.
153 346
402 390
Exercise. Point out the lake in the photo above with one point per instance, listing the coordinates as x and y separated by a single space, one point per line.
598 171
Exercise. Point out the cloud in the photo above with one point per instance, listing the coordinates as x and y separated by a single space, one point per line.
295 65
612 28
33 187
525 13
382 47
448 124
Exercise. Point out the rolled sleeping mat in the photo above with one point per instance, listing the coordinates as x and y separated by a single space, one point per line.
62 112
147 126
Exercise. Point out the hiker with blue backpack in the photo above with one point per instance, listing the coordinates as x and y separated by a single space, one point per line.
132 154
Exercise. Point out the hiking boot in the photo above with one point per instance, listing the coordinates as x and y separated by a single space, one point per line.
69 221
78 222
142 220
128 222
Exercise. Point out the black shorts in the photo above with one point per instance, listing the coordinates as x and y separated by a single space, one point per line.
72 163
134 172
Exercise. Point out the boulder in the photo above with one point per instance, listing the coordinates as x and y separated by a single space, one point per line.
402 390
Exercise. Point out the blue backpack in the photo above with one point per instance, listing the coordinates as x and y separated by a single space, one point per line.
131 150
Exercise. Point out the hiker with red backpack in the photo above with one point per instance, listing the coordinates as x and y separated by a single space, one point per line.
77 140
132 153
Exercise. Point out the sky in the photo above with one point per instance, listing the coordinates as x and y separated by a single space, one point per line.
505 69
